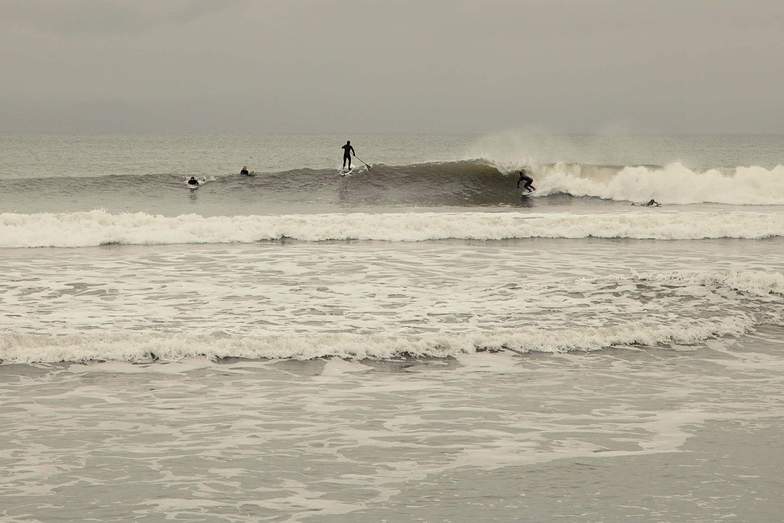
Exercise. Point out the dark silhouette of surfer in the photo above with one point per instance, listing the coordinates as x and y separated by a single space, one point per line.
244 171
528 181
193 181
347 152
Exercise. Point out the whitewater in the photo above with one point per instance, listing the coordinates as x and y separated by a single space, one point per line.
457 193
96 228
408 337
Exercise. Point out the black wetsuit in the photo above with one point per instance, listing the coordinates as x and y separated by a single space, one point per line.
193 181
348 150
528 182
244 172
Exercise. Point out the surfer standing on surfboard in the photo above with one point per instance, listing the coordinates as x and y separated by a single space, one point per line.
347 152
528 181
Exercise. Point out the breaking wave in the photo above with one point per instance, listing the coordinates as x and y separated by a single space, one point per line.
671 184
758 290
94 228
32 349
460 183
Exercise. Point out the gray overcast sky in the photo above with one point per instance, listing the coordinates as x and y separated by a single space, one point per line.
683 66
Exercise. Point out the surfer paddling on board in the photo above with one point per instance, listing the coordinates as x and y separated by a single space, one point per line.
649 203
347 152
528 181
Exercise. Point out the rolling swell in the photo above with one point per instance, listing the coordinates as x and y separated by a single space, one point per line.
430 184
480 182
459 183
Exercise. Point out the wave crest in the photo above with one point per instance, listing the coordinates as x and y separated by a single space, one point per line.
468 183
75 348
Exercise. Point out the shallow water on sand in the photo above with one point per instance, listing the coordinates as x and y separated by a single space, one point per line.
672 413
645 434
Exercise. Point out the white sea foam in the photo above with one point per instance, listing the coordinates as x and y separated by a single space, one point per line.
671 184
128 347
94 228
751 282
650 331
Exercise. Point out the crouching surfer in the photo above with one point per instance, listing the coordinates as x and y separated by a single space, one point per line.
526 180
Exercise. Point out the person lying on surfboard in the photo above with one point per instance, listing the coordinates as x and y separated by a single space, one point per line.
347 152
528 181
649 203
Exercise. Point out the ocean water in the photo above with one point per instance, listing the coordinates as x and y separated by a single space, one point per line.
411 342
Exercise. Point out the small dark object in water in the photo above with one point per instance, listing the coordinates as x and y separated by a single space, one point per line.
649 203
